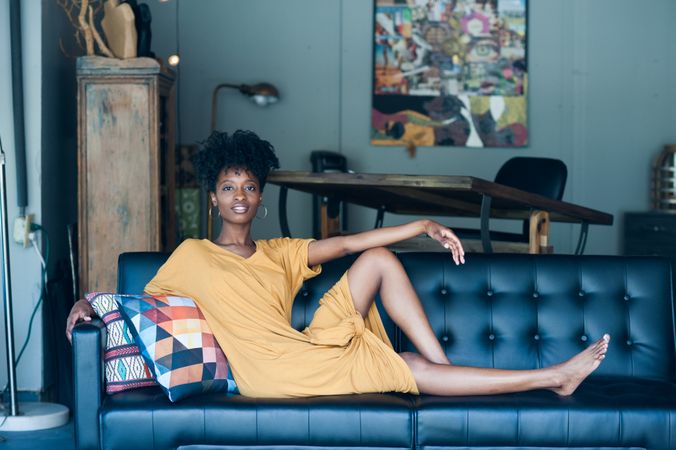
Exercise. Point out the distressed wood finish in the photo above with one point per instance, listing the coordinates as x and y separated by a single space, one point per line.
124 150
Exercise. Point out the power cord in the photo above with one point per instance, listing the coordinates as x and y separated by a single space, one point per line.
43 288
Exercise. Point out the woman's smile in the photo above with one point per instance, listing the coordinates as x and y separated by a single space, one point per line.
240 208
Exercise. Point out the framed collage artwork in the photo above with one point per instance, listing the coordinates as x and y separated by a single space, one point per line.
450 73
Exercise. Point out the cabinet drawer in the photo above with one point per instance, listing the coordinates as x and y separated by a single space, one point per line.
651 226
651 233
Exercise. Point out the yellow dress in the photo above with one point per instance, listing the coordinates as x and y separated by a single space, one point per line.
247 303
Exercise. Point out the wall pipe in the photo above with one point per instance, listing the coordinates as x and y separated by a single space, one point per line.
17 104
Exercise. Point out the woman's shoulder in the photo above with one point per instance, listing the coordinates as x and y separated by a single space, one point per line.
190 247
282 242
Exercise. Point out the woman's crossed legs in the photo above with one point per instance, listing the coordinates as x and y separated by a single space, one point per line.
379 271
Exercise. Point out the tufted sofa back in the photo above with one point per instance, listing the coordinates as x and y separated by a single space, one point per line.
516 311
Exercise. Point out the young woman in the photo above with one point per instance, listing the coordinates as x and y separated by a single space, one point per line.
246 288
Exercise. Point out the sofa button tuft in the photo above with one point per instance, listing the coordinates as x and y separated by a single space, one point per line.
583 338
536 295
581 293
626 297
629 342
489 293
444 291
536 337
306 293
491 337
444 338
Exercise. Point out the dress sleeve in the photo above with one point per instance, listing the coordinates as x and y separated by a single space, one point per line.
293 254
183 273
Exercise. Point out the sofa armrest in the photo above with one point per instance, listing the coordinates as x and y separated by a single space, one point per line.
88 346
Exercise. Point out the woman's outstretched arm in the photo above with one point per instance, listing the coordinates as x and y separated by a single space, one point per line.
324 250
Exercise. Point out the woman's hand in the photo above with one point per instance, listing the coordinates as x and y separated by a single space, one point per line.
81 311
447 238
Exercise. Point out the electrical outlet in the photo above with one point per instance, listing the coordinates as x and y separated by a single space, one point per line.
22 227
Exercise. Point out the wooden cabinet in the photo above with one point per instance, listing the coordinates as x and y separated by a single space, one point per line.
126 151
651 233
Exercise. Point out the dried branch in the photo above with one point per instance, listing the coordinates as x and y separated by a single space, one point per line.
102 45
68 7
84 26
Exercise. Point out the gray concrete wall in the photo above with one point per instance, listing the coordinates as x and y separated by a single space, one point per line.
601 96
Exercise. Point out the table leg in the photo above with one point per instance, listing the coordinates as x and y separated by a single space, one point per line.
328 226
283 221
485 219
538 240
582 240
380 216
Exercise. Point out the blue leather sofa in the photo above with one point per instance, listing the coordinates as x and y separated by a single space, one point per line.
508 311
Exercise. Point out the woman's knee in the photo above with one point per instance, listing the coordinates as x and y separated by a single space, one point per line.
415 362
379 255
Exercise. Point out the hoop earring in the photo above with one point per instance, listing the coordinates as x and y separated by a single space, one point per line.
265 208
211 212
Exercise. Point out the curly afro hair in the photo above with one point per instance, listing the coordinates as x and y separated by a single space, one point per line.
241 149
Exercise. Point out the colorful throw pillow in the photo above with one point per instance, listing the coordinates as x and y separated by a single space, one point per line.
177 344
124 366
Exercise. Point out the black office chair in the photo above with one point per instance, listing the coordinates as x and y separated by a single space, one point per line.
543 176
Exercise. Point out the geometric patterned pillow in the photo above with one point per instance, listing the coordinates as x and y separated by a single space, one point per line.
124 366
177 344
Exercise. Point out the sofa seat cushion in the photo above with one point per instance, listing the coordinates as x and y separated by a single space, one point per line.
148 419
603 412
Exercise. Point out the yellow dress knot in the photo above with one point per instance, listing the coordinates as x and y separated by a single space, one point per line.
342 334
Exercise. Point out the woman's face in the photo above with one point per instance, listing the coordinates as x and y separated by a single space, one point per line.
237 195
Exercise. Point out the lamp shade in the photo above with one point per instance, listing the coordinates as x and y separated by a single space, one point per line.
262 94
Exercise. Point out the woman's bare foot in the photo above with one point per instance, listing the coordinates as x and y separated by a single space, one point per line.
571 373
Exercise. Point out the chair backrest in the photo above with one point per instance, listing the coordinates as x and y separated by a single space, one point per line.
543 176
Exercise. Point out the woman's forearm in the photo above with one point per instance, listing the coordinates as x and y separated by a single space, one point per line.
325 250
382 237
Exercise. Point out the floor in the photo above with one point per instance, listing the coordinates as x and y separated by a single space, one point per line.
55 439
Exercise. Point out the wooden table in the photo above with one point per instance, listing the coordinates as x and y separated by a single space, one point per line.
440 195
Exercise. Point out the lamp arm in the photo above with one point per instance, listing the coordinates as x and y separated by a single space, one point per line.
214 100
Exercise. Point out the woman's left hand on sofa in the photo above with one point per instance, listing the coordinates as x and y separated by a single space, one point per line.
447 238
81 311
